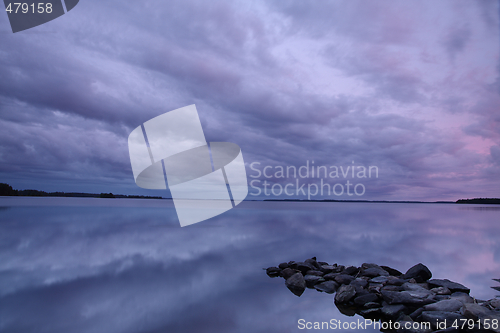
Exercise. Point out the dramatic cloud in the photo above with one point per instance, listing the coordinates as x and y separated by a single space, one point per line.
409 87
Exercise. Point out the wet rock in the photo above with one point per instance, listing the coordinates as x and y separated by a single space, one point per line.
344 294
449 305
344 279
273 271
435 317
312 280
367 298
287 272
393 311
452 286
328 287
296 284
351 270
419 272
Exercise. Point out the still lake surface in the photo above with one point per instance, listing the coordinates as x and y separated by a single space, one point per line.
125 265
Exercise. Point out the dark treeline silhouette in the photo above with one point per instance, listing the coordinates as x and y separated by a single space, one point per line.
7 190
490 201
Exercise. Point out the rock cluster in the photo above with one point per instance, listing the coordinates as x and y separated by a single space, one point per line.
384 293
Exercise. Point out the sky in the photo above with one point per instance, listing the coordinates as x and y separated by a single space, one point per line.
410 87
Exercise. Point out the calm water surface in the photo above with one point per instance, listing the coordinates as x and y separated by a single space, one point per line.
125 265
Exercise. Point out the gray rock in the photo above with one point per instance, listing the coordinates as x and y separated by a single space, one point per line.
416 298
379 279
374 272
375 287
449 305
373 313
396 282
371 305
415 287
283 265
393 311
441 291
392 288
327 268
312 262
367 298
311 280
330 276
476 311
391 271
339 269
287 272
452 286
345 293
328 287
317 273
462 297
438 317
495 303
296 284
415 314
351 270
419 272
344 278
359 282
273 272
304 267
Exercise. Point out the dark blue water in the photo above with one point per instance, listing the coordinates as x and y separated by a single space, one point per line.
125 265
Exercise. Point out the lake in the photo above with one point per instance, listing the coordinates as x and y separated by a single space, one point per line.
125 265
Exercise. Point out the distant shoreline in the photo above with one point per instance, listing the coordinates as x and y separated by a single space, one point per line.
8 191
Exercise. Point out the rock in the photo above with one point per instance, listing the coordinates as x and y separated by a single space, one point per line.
396 282
415 314
312 280
449 305
419 272
452 286
441 297
296 284
287 272
312 262
326 268
439 317
283 265
358 282
344 279
416 298
322 263
367 298
351 270
393 311
375 287
462 297
495 303
441 291
372 313
415 287
344 294
371 305
392 288
273 272
328 287
391 271
374 272
476 311
330 276
317 273
304 267
379 279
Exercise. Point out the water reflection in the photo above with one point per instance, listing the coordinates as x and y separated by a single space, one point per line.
124 265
